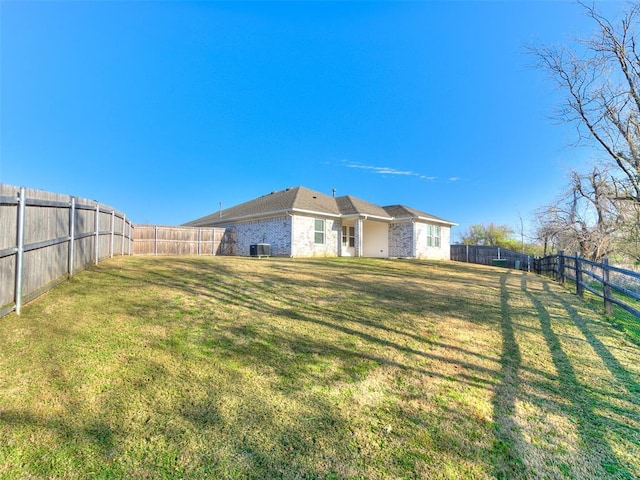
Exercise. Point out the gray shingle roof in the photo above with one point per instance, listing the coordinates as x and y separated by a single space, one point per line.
301 198
402 211
349 205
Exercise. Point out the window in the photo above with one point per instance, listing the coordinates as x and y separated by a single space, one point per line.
433 236
319 231
348 236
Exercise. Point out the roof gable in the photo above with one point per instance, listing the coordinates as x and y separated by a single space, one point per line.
402 211
349 205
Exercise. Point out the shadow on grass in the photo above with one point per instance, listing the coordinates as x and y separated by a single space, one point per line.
609 360
591 426
357 336
268 361
508 435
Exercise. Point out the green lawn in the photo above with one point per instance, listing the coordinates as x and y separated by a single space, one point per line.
223 367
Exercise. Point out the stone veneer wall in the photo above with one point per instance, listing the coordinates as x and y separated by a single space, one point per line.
304 237
401 239
274 231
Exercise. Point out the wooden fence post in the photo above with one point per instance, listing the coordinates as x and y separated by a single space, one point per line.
579 286
608 306
561 266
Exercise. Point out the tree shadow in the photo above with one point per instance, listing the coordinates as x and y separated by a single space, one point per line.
508 434
239 323
580 406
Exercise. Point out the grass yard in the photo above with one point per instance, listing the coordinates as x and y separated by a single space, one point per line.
236 368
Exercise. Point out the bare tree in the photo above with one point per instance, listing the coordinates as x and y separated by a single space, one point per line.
584 219
601 78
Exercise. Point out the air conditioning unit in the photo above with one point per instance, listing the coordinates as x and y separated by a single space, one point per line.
260 250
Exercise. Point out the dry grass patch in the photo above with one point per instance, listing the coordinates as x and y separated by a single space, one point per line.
303 368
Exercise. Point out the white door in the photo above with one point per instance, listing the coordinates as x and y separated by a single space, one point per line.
348 241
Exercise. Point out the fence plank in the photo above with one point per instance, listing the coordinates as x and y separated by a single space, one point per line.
626 282
166 240
45 238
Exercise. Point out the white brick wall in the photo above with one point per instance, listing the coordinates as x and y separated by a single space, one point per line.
401 239
304 237
277 232
274 231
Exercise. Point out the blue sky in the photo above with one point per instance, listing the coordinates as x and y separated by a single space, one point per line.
165 109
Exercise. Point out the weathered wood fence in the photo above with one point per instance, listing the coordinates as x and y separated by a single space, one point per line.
162 240
487 255
615 285
46 238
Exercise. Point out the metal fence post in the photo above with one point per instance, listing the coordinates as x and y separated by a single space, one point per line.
124 232
113 226
97 239
22 200
72 234
579 286
606 287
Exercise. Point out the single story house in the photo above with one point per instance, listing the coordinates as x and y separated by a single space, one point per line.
299 222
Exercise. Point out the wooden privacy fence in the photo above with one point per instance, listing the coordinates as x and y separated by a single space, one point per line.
45 238
615 285
162 240
487 255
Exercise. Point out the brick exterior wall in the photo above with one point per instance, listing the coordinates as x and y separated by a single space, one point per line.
274 231
304 237
401 239
277 232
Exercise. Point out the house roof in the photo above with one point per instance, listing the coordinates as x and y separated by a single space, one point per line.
402 211
298 198
349 205
302 199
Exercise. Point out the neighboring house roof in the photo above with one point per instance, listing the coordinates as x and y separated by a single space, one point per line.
402 211
304 200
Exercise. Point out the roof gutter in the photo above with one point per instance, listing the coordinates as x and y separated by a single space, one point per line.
221 220
218 220
426 219
366 216
324 214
